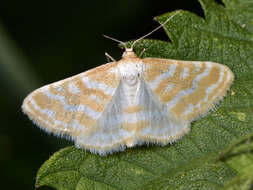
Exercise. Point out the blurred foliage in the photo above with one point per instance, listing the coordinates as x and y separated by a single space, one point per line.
214 151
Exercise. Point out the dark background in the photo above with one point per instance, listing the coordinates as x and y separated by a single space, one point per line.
45 41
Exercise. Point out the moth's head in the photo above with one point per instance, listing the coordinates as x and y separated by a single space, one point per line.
128 53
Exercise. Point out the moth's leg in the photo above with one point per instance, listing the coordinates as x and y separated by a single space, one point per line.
109 57
142 52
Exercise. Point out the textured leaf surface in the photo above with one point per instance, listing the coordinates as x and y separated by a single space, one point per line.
193 162
240 158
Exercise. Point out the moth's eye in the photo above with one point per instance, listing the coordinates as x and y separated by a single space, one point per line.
138 74
123 50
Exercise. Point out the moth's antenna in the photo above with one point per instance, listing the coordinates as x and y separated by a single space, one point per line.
154 29
113 39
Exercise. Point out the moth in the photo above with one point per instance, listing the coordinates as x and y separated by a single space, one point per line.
129 102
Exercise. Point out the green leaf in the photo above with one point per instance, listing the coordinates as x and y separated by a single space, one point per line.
193 162
240 158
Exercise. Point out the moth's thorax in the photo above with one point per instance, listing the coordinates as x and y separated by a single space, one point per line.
130 71
130 65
